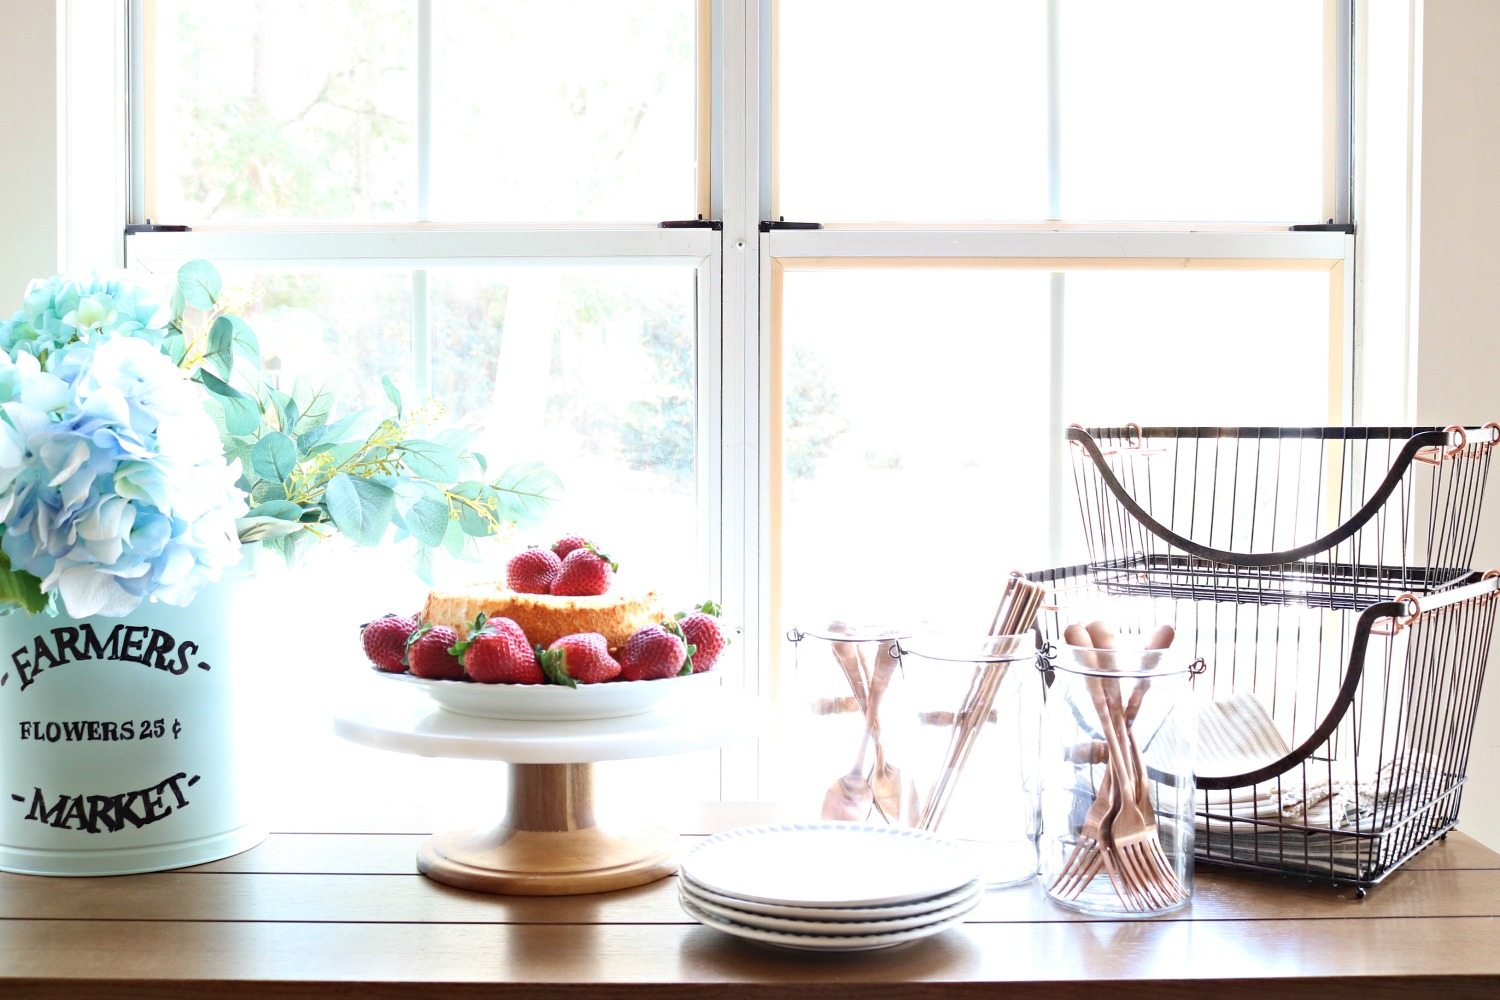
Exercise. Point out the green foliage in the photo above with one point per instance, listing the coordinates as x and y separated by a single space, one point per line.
310 471
19 589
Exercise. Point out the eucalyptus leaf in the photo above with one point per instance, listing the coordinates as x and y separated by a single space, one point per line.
427 520
454 539
392 393
283 509
174 346
259 529
199 283
216 385
361 509
525 489
274 456
314 404
422 564
325 436
241 415
456 438
229 337
266 491
430 460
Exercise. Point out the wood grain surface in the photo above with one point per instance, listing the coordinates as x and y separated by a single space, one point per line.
346 915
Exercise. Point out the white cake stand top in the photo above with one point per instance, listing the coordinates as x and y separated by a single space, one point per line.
395 717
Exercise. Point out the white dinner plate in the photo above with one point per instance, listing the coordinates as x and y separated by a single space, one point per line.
818 942
544 702
830 864
850 914
838 928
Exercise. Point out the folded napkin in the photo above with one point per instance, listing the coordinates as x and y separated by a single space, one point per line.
1236 735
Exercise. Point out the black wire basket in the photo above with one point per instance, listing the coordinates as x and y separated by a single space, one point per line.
1322 575
1332 516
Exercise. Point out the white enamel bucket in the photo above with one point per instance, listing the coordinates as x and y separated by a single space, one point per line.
122 739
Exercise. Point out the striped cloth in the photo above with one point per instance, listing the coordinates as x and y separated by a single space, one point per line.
1236 735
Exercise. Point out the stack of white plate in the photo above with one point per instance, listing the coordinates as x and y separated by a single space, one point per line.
829 886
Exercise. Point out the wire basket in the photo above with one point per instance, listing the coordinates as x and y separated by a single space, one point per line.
1337 517
1331 743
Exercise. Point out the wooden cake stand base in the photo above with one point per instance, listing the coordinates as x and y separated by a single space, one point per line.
549 843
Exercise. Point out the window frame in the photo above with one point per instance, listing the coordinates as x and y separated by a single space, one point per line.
739 266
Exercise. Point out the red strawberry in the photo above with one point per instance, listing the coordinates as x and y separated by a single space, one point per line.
429 653
586 572
568 543
581 658
497 653
532 571
701 628
384 640
651 654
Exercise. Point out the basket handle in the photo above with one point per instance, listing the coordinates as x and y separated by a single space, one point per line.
1343 532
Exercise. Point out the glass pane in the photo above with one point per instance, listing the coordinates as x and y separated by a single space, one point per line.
592 372
341 329
914 438
915 429
1191 347
886 114
582 110
281 110
1167 110
1180 110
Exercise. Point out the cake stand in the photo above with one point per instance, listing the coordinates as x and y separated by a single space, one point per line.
548 843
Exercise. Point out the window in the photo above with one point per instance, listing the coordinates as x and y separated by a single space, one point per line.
1031 214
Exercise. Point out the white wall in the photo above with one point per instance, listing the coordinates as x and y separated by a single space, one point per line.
1457 288
30 241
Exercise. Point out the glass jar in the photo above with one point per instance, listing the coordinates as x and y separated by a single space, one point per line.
1117 780
836 756
967 734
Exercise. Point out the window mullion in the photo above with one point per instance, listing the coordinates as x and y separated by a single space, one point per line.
424 110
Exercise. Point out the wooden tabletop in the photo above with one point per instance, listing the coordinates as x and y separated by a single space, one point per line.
346 915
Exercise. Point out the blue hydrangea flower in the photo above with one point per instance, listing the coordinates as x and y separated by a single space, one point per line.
113 484
63 310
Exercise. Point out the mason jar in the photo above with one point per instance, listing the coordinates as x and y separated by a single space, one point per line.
967 732
836 761
1117 780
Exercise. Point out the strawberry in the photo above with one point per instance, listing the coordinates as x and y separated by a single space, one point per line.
496 652
700 627
586 572
567 543
429 653
532 571
384 640
581 658
651 654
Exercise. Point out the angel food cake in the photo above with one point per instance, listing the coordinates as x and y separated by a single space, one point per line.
553 621
544 618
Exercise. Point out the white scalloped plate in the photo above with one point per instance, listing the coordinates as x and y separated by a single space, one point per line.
831 865
840 927
556 702
818 942
846 913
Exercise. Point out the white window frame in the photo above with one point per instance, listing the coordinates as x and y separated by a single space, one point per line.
737 268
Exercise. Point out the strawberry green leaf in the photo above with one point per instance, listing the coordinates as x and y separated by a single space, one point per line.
416 634
555 665
687 661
